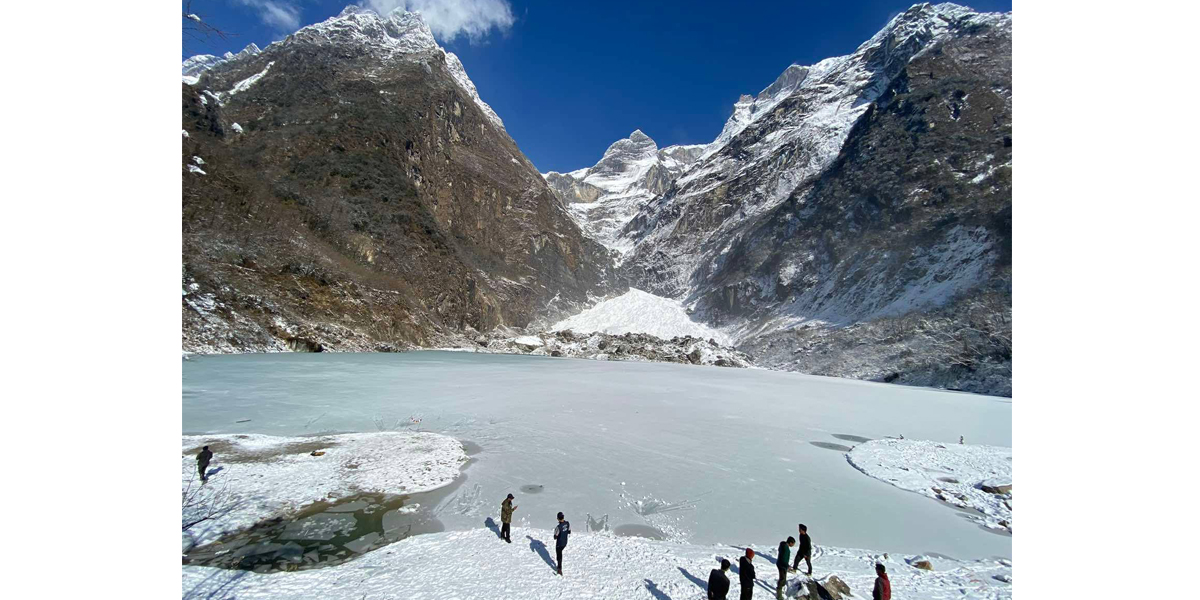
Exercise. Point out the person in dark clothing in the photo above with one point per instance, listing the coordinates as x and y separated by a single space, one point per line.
746 574
805 550
560 538
883 586
506 511
785 552
202 460
718 582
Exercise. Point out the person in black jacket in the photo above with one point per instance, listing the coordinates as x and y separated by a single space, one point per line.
785 552
718 582
746 574
202 460
805 550
560 538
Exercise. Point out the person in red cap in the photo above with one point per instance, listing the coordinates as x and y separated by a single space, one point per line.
883 587
746 574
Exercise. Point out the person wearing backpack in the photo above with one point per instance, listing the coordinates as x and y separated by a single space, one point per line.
506 512
883 586
560 538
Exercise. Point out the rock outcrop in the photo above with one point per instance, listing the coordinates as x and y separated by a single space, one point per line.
604 346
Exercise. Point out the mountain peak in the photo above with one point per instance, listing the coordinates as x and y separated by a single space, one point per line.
638 136
398 32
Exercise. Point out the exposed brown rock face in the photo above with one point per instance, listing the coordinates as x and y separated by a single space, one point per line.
368 202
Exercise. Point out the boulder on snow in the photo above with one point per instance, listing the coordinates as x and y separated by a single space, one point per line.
528 343
831 588
996 486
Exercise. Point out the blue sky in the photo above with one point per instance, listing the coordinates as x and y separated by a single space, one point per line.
569 78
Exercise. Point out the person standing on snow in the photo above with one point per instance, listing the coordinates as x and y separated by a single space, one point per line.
560 538
883 587
746 574
506 511
718 582
202 460
785 552
805 550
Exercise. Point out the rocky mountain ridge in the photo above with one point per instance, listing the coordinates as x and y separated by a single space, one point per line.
347 189
854 218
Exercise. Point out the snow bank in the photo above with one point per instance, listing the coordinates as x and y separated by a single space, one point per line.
636 311
257 476
528 340
476 564
954 473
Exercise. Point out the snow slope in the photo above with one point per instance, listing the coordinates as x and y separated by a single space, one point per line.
636 311
476 564
780 151
953 473
264 475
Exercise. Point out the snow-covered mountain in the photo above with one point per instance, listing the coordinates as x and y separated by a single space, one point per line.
854 217
604 197
346 188
195 66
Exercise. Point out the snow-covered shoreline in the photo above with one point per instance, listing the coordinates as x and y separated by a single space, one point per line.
254 477
973 477
477 564
273 476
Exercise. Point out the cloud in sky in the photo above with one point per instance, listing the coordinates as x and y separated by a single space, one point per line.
280 15
450 19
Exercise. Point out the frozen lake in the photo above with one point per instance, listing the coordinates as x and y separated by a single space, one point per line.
707 454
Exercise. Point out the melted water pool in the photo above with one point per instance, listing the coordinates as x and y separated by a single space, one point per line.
322 534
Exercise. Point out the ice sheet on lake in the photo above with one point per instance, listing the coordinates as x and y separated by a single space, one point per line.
733 443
